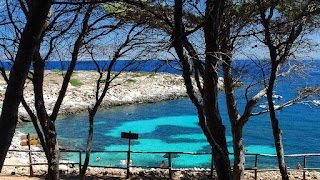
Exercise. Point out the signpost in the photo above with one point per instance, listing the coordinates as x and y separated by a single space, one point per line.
170 155
129 136
28 140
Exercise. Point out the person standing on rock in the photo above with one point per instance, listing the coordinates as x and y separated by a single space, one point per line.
298 166
162 165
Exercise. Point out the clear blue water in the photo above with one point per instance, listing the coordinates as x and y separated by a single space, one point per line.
137 65
172 126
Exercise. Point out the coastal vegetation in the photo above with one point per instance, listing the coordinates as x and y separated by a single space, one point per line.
201 36
131 80
55 70
75 82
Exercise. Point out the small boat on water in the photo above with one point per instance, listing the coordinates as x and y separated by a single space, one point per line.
316 102
266 106
276 106
263 106
275 96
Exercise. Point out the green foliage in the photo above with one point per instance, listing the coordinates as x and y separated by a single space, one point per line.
30 75
54 82
75 82
117 8
138 74
129 13
131 80
166 77
55 70
151 74
102 81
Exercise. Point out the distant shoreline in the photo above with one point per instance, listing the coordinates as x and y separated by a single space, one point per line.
128 88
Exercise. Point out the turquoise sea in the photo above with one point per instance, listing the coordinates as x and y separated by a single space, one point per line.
172 126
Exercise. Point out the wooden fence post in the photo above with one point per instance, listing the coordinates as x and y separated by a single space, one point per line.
170 166
80 160
304 166
256 168
128 157
212 166
30 158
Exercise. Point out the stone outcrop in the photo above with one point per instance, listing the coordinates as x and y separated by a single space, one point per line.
127 88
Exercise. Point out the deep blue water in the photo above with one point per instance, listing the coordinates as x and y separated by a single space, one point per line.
136 65
172 126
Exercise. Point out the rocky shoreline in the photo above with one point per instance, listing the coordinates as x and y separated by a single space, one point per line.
141 174
127 88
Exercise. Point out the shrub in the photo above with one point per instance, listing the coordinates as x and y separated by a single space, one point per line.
131 80
102 81
30 75
75 82
55 70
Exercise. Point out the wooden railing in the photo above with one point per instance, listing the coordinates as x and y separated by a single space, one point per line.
255 168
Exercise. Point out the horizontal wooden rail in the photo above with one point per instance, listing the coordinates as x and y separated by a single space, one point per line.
255 168
163 152
310 169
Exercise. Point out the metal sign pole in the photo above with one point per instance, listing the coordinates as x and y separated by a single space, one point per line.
129 136
170 166
128 157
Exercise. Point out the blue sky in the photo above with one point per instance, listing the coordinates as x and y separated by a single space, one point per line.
262 51
316 52
246 52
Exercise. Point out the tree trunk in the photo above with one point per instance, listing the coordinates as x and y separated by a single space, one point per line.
93 111
277 133
209 117
74 58
89 144
53 167
270 42
18 74
37 128
214 11
47 124
214 120
238 147
32 116
233 112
